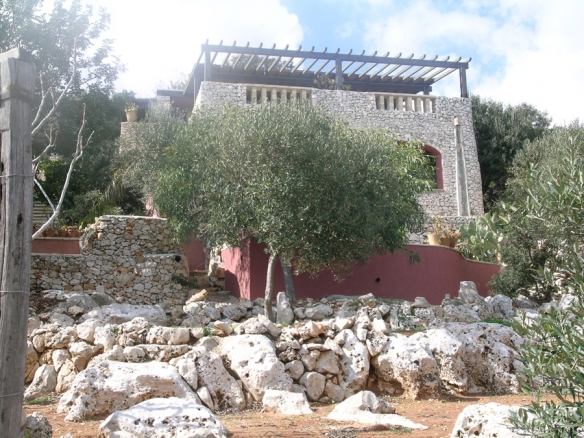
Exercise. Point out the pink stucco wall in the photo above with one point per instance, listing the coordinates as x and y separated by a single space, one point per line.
386 276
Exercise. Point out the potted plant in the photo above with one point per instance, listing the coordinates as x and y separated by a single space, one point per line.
131 112
74 232
453 237
439 233
63 231
49 232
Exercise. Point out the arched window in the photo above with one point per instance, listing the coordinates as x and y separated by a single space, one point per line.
436 159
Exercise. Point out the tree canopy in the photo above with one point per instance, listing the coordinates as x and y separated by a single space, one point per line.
314 191
500 131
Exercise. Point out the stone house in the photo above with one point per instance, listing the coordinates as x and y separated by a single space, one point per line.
385 92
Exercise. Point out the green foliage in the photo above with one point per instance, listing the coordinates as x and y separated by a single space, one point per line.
554 362
501 131
288 175
481 239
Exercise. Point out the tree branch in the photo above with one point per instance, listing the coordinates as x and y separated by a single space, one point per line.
78 153
56 103
36 160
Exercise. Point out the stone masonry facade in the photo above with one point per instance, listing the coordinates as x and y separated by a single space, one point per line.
131 258
435 129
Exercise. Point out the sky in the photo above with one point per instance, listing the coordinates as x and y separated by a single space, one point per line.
522 50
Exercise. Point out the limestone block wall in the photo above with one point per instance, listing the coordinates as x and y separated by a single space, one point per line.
359 109
131 258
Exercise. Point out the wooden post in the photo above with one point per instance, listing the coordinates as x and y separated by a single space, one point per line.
207 73
339 73
463 88
17 84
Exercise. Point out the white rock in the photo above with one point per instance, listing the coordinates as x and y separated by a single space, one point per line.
32 358
104 337
286 403
62 337
310 330
364 407
334 392
44 382
454 313
222 387
81 353
468 293
37 426
206 398
405 365
212 312
81 300
61 319
188 370
59 358
376 342
168 336
379 325
65 377
368 300
234 313
487 421
354 362
273 329
223 326
327 363
295 369
134 354
314 384
112 386
86 329
159 417
489 353
421 303
253 358
319 312
115 354
500 306
285 313
120 313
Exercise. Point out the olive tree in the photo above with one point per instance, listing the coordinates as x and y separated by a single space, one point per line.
317 193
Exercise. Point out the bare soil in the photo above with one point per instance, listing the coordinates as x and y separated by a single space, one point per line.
438 415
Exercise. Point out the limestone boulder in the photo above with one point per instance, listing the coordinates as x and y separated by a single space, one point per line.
319 312
120 313
65 377
44 382
500 306
80 353
286 403
222 387
487 421
37 426
159 417
86 329
314 384
32 359
469 294
234 313
453 313
253 358
406 366
113 386
354 362
168 335
81 300
364 407
285 314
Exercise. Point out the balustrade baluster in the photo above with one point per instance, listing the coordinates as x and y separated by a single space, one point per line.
264 94
254 95
427 105
418 104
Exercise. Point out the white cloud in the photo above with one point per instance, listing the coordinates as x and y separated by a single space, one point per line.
522 51
157 41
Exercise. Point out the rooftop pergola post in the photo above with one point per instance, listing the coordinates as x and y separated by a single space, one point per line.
300 68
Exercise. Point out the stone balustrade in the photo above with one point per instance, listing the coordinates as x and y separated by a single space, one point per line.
260 93
405 102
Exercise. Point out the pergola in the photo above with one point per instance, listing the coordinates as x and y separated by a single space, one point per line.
300 68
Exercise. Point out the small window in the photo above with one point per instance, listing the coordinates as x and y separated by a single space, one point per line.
435 159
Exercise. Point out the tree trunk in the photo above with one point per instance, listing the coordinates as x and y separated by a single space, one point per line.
17 84
268 303
288 281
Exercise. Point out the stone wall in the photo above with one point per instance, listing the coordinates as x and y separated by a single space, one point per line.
359 109
130 258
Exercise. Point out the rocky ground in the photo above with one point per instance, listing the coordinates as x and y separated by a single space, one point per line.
216 366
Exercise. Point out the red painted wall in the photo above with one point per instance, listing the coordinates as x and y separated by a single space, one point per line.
195 254
56 245
386 276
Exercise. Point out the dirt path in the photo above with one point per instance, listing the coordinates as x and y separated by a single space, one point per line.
438 415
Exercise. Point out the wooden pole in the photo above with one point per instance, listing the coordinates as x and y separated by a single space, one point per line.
463 87
339 73
17 84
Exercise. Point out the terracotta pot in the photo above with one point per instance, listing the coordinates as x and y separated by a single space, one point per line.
453 242
132 116
63 233
49 232
445 241
433 239
74 233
